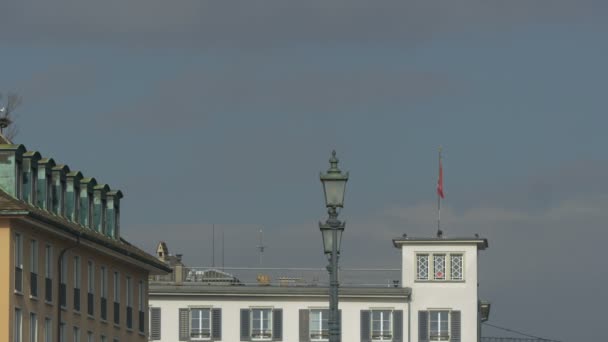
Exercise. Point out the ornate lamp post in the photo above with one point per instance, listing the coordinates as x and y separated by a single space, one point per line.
334 186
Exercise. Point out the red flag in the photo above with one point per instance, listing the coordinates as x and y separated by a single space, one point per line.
440 180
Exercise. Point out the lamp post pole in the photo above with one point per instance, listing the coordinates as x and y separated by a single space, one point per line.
334 186
334 322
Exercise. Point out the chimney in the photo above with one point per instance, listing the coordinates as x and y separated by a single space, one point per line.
99 207
113 213
30 176
86 202
72 196
43 194
10 168
58 189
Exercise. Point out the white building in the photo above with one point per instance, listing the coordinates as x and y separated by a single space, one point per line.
436 301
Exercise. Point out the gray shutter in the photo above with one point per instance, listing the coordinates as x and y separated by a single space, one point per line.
340 321
245 325
304 325
154 324
277 324
184 324
398 326
455 326
366 335
423 326
216 318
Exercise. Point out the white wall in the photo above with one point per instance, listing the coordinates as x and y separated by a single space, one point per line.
428 295
231 307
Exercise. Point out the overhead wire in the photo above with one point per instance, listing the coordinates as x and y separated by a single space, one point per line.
520 333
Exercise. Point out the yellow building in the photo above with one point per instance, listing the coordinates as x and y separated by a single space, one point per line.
65 272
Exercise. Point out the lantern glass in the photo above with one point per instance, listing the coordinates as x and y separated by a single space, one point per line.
328 239
334 189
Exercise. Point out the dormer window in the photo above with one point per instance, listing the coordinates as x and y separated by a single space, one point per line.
439 267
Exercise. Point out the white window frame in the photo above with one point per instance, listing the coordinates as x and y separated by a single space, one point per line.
422 268
116 284
90 336
33 327
452 257
320 334
18 242
18 325
202 309
64 269
381 311
447 267
48 330
448 324
76 334
129 289
439 270
48 261
270 323
34 256
91 276
103 273
77 272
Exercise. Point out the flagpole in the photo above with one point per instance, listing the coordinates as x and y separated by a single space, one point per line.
439 197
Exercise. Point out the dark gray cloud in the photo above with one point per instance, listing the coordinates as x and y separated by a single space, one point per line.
273 23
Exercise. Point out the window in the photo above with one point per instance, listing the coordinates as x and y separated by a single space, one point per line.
18 263
318 325
48 273
64 280
438 330
129 295
17 328
90 336
62 332
104 339
91 287
48 330
116 298
104 292
261 324
422 261
34 268
140 303
76 334
439 267
77 283
445 267
33 327
456 267
382 325
200 323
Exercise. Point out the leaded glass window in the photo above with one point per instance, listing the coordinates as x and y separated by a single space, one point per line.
439 266
456 267
261 327
319 328
422 267
200 323
382 325
439 325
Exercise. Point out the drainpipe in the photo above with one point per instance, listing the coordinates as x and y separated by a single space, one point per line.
61 254
409 319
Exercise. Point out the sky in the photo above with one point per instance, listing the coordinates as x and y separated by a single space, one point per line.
223 113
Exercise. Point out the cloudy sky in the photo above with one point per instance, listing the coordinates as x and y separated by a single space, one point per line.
224 113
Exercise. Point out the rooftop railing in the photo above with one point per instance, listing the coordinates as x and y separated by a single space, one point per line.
280 276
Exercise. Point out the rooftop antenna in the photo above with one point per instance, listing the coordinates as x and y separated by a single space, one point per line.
213 245
261 246
222 248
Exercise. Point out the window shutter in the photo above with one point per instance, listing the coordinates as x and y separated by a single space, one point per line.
455 326
184 327
340 321
216 330
304 325
277 324
423 326
154 324
365 326
245 325
397 325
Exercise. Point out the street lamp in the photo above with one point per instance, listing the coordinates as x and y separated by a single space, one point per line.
334 186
